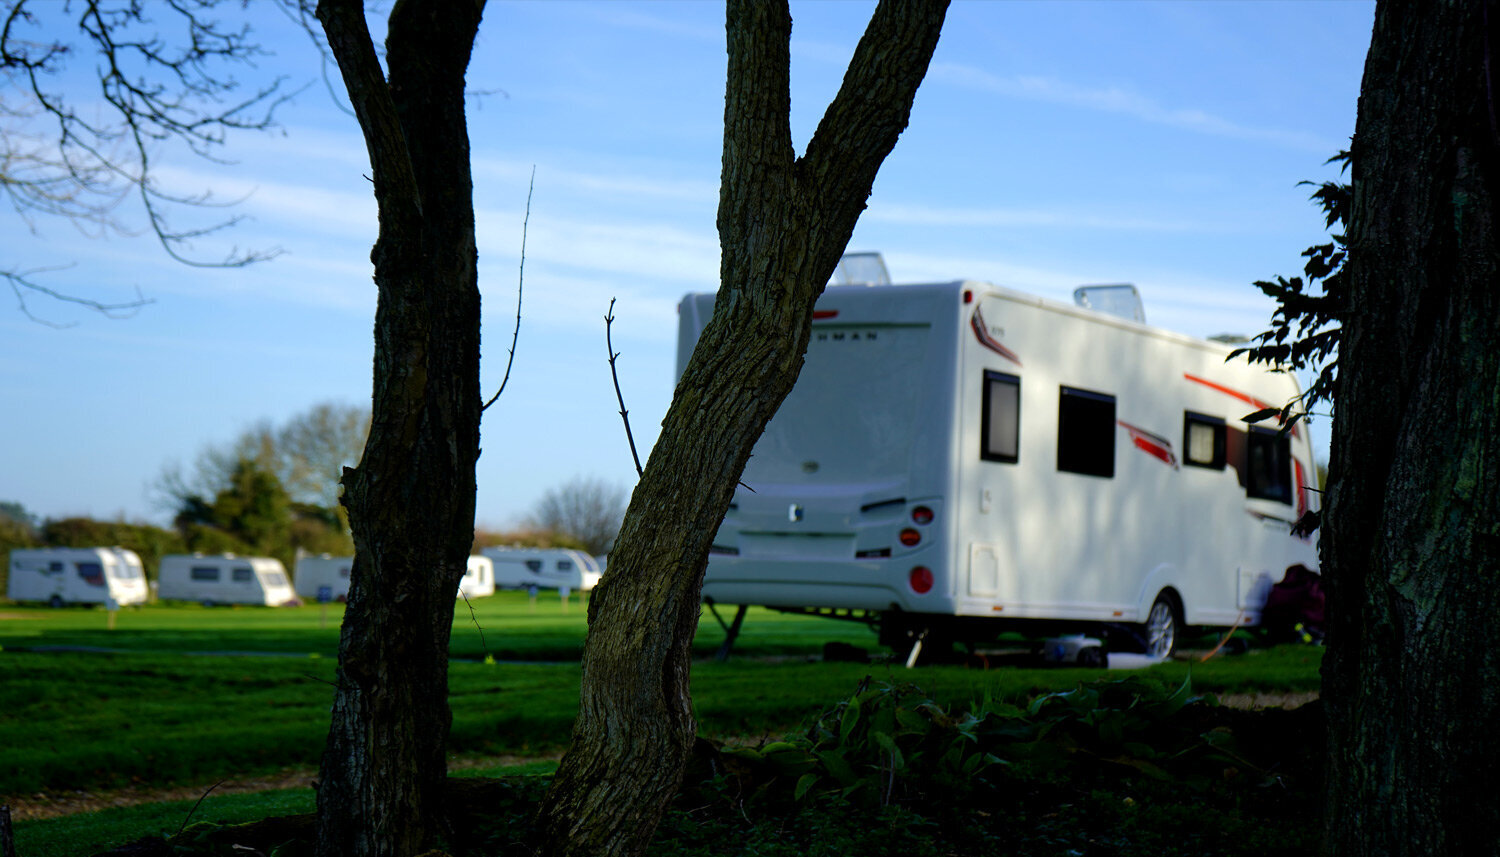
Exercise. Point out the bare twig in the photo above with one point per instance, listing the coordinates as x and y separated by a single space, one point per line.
201 798
475 618
520 285
21 282
609 319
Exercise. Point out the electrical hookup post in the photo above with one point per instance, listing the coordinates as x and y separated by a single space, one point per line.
325 595
111 607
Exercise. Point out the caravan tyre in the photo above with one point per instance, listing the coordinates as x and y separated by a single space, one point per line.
1162 626
55 602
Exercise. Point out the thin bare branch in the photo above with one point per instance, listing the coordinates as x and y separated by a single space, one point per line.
609 319
166 73
21 283
520 285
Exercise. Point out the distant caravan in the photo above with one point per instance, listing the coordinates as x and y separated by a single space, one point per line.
958 460
543 568
325 578
59 576
225 579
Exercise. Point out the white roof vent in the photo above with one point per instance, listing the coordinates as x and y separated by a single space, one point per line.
860 269
1119 300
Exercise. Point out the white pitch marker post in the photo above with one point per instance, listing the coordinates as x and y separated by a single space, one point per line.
111 607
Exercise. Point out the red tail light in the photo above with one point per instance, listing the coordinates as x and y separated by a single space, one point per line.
910 537
920 579
921 515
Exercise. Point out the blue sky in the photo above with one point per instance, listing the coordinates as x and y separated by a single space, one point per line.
1051 145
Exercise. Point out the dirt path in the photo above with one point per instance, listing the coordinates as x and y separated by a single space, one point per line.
51 804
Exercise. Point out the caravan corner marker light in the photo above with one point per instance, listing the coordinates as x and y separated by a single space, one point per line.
910 537
920 579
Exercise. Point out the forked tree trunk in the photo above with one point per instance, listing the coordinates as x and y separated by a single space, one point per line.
1411 543
411 500
783 223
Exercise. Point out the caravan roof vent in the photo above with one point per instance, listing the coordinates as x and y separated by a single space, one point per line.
1120 300
860 269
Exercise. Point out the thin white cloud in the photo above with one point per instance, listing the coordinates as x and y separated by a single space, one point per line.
1121 102
616 185
619 15
653 251
921 215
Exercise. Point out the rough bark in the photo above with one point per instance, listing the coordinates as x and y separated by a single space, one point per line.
783 223
411 499
1411 544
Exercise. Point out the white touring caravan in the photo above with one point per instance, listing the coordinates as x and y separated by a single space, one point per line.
323 577
479 578
543 568
224 579
960 459
326 577
61 576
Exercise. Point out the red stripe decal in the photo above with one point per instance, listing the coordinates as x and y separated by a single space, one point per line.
820 314
1301 488
982 332
1258 404
1153 445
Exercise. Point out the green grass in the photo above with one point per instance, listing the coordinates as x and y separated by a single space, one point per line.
507 626
92 832
152 714
74 720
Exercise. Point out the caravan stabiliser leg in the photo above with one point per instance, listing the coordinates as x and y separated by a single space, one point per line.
731 630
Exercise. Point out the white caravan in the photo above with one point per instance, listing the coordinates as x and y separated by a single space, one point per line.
479 578
326 577
224 579
543 568
61 576
323 578
960 459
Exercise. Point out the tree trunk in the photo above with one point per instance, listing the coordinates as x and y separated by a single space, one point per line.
783 223
411 500
1411 543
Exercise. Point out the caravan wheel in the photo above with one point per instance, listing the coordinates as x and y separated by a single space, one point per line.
55 602
1162 624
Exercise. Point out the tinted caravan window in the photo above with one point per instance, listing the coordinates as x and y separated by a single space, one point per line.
1086 432
1268 470
1000 427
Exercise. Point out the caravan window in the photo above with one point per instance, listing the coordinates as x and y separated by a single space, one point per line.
1204 439
205 572
1086 432
273 578
241 575
91 572
534 566
1269 465
1000 423
564 565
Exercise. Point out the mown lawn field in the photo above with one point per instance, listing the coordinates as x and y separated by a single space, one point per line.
185 695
